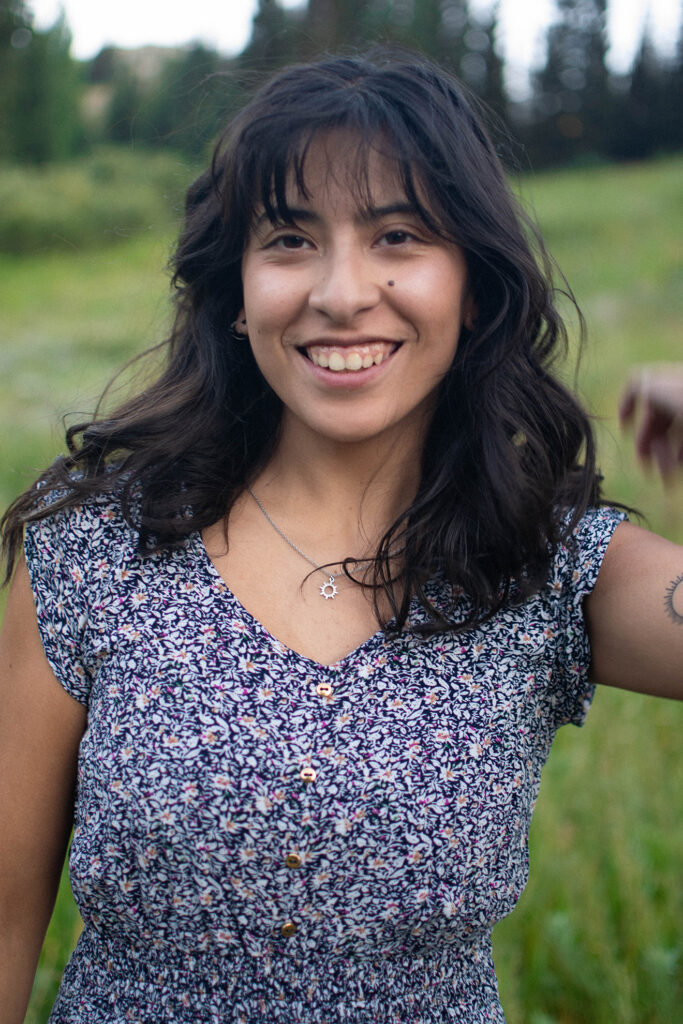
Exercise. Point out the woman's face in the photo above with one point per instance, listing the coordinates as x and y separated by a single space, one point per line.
353 314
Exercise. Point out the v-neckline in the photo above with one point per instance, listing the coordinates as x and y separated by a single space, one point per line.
209 567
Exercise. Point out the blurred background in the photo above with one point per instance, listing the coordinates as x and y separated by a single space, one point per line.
107 111
576 79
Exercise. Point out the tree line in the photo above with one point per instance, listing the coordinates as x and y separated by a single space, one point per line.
53 107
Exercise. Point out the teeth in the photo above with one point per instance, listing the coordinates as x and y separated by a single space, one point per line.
360 357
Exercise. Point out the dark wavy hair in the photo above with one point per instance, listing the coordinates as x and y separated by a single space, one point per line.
508 466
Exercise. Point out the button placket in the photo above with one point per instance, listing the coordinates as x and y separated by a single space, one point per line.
293 860
294 891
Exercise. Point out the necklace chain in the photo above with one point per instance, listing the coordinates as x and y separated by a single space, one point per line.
329 589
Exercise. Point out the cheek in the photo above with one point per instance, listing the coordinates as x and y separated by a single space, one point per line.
437 295
270 302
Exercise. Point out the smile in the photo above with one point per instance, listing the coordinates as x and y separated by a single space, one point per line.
350 358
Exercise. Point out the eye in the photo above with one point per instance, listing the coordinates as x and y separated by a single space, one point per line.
396 237
289 241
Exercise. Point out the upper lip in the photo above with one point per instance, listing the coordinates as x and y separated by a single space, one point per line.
354 342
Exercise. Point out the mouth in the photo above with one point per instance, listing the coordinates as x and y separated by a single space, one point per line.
350 358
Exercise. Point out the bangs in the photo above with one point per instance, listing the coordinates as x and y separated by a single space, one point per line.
409 116
278 165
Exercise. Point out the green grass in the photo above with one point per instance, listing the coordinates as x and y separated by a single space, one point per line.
616 234
596 938
70 321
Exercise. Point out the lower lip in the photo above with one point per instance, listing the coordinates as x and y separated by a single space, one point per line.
347 379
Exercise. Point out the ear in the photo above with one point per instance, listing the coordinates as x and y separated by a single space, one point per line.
470 312
239 324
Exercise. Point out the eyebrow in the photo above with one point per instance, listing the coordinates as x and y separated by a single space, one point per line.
365 214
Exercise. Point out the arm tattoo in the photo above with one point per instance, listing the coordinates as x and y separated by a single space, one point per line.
673 600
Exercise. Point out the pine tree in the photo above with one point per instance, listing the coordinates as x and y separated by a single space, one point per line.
16 36
122 122
674 97
482 66
276 37
572 102
188 106
649 108
45 94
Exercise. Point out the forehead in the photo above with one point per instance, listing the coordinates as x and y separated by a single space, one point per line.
337 168
340 162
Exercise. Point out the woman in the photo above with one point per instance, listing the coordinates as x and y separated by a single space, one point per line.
311 608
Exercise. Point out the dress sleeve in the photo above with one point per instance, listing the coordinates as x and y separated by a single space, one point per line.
576 571
57 560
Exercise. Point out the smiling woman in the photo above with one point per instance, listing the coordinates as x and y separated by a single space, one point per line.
296 800
349 359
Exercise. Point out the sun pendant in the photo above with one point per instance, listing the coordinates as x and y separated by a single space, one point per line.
329 589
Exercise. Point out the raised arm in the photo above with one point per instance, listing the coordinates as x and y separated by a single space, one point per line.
635 614
40 729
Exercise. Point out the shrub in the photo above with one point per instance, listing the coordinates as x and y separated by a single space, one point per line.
112 193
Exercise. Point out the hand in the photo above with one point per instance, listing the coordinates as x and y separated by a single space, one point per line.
653 399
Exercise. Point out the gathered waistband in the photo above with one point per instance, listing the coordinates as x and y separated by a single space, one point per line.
109 980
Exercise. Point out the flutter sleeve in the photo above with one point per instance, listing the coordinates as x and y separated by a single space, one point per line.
58 560
576 570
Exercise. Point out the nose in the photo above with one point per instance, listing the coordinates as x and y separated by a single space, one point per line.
345 285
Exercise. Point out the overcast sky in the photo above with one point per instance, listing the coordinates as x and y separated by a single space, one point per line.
226 25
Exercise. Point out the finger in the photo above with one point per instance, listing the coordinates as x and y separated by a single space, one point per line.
663 455
627 402
646 431
654 425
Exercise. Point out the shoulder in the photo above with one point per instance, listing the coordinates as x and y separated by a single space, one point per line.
92 534
75 555
578 559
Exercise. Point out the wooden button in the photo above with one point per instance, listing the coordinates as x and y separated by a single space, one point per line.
293 860
288 929
309 774
323 690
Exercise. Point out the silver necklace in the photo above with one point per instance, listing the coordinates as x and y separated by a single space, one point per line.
329 589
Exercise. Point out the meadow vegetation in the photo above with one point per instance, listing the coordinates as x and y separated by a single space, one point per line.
596 938
111 195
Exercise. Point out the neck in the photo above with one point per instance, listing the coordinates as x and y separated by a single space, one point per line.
345 495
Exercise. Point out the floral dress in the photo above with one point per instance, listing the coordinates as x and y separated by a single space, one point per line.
261 838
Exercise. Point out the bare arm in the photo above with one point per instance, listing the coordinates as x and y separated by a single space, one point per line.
635 614
40 729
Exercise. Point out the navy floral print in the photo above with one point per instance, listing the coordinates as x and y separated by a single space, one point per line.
259 837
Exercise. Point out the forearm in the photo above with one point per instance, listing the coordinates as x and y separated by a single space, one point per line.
22 930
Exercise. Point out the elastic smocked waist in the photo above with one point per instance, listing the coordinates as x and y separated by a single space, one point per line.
153 982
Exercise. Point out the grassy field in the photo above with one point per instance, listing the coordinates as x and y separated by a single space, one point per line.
596 938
